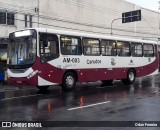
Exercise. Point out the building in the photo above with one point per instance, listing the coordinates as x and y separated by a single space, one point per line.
93 16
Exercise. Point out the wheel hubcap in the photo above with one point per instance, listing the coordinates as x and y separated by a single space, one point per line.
131 76
69 81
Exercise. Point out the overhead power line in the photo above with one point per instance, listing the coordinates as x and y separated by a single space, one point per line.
100 26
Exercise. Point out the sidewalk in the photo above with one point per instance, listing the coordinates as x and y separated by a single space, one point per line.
5 86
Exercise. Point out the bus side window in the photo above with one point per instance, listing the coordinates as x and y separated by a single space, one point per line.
108 48
71 45
48 47
148 50
123 48
136 49
91 46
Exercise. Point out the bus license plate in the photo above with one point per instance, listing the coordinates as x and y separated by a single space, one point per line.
19 82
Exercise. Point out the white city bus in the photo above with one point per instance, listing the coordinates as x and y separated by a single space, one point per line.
44 57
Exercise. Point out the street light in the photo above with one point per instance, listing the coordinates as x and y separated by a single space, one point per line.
112 24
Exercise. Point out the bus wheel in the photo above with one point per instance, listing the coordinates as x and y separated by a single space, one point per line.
42 88
130 77
69 81
107 82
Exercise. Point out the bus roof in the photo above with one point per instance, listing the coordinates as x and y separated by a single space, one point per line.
92 35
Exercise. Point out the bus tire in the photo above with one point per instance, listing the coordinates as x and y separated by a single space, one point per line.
107 82
42 88
131 75
68 81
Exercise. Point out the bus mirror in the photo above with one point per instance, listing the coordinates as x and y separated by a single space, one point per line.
45 43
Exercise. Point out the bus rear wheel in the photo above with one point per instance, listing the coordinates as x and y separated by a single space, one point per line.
130 77
69 81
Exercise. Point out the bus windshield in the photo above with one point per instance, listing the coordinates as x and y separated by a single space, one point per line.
22 50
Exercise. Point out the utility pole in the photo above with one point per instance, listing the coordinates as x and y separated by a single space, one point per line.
159 14
37 10
135 24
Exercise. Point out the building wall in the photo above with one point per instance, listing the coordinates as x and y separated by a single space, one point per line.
93 16
19 8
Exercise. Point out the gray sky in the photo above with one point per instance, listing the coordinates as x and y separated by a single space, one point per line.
149 4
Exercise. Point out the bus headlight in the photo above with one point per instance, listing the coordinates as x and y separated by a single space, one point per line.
32 74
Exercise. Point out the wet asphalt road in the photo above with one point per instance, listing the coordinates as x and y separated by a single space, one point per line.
89 102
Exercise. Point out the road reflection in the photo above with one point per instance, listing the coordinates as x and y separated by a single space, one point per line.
88 92
9 92
94 92
54 103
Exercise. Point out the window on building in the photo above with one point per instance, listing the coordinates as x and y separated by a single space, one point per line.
2 17
148 50
7 18
71 45
108 48
25 20
10 18
136 50
123 48
30 21
91 46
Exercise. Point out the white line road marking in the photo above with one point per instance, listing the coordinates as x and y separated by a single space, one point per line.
88 105
21 97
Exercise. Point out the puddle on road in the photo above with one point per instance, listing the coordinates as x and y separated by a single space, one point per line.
15 92
122 109
2 95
